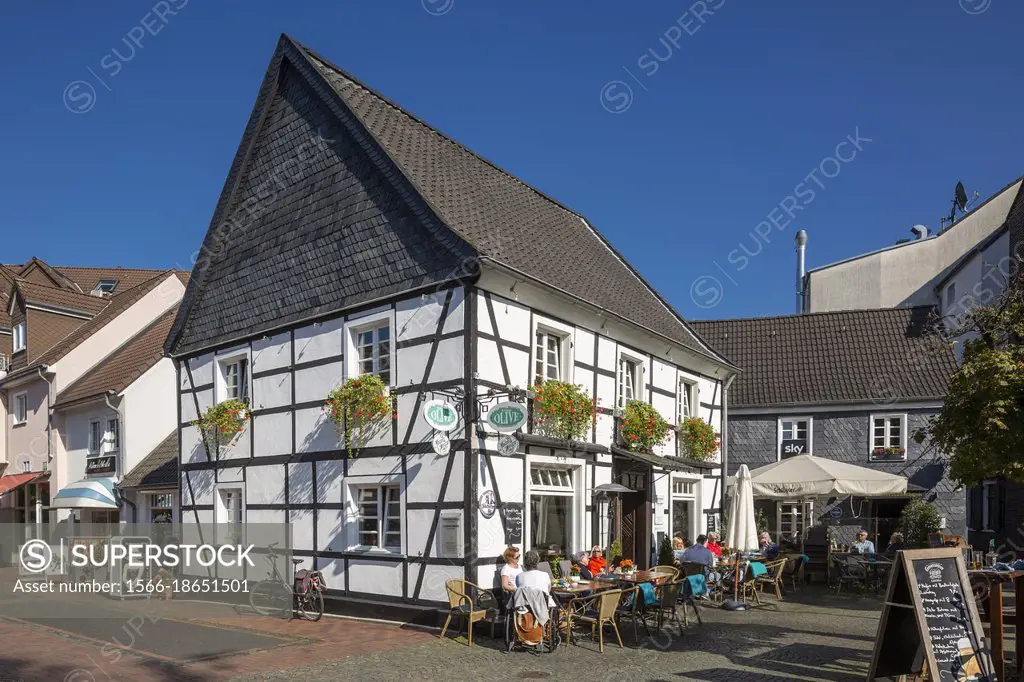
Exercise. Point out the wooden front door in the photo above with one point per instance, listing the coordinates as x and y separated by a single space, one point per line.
635 523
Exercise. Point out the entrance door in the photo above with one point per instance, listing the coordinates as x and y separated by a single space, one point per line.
635 524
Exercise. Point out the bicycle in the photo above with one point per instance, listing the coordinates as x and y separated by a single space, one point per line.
275 597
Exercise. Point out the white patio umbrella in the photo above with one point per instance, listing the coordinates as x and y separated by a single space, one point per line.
741 533
806 476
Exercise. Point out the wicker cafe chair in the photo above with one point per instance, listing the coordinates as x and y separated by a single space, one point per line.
546 567
747 585
794 570
690 568
846 570
604 614
773 578
470 602
671 571
631 606
668 604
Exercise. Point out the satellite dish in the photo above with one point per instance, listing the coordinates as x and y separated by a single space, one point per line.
961 196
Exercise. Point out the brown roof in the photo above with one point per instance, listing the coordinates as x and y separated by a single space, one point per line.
158 469
7 278
116 305
89 278
123 366
853 356
64 299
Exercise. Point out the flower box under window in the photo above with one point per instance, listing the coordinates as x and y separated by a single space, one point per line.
888 454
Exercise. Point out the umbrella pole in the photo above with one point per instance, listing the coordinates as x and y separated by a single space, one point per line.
736 582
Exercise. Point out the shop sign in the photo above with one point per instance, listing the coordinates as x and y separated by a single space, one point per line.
488 504
100 465
791 447
507 417
440 414
442 446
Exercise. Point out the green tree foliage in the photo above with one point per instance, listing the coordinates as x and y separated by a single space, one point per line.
665 555
981 425
918 520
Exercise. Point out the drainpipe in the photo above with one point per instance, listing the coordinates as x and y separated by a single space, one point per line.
725 444
120 445
49 449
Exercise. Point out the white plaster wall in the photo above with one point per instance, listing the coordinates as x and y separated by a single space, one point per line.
264 485
376 577
149 413
270 392
315 383
74 435
319 341
272 353
116 332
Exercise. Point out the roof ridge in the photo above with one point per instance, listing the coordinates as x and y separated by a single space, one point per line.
819 313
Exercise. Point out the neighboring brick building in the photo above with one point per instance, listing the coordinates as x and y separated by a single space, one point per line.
839 385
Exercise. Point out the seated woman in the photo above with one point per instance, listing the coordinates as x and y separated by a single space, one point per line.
714 545
768 548
534 577
597 564
581 561
511 570
895 545
678 549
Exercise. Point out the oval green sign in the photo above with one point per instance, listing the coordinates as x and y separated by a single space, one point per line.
441 415
507 417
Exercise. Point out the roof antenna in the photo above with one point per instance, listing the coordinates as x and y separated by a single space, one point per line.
960 201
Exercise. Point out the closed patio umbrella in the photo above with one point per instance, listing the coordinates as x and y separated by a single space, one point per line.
741 533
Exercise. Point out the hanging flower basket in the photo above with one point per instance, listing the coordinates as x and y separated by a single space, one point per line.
642 427
360 408
698 440
562 410
220 423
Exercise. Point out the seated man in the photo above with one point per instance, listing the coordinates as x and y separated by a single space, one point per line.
863 545
699 553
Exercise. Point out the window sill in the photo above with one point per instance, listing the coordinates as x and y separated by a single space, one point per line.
17 424
370 552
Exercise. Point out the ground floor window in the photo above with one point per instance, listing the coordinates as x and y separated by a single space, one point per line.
26 497
985 506
161 508
683 504
379 519
551 510
792 520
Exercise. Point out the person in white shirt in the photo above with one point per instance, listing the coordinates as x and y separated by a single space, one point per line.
534 577
511 570
863 545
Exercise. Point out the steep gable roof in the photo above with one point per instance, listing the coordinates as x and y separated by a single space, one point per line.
123 366
60 299
880 357
503 219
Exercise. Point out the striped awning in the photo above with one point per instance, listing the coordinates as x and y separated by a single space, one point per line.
89 493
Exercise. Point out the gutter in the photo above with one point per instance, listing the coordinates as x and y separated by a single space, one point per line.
49 413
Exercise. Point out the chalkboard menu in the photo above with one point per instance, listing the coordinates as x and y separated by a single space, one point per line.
929 623
513 515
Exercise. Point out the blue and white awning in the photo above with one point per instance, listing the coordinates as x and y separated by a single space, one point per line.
89 493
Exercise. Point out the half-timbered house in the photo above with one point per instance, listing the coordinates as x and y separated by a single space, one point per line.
353 238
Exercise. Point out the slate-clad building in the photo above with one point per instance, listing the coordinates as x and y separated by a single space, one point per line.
353 238
848 385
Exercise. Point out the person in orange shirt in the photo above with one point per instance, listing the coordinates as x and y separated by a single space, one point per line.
597 564
713 545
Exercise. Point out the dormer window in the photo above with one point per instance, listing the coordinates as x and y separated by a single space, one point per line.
106 286
19 337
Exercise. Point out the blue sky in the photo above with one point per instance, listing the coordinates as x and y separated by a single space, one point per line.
717 119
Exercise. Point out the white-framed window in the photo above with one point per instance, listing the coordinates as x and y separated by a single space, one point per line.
682 487
684 508
112 435
378 516
630 380
888 436
232 380
552 351
19 336
795 436
230 510
553 508
26 466
792 519
370 348
19 409
687 404
106 286
95 437
161 508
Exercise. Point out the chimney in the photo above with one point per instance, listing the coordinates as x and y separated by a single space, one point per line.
919 231
801 252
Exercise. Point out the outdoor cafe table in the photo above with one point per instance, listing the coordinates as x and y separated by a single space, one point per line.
993 612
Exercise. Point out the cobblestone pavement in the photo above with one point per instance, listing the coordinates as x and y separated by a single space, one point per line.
810 636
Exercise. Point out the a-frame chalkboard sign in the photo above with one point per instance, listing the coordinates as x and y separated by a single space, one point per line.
930 628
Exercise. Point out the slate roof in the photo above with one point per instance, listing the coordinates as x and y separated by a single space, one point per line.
158 469
64 299
124 365
855 356
506 221
115 305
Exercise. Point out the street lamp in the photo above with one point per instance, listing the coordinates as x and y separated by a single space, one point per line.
604 494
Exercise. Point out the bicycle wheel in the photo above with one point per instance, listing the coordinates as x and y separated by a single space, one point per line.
311 604
270 598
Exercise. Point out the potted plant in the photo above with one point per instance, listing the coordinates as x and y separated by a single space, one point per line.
615 551
165 578
627 567
220 423
888 452
563 410
698 440
359 407
642 427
